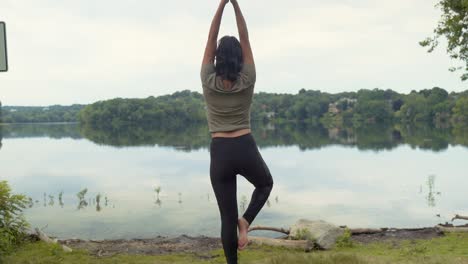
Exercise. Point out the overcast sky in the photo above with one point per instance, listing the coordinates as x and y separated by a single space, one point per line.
65 52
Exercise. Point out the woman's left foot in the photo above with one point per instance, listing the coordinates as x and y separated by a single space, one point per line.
243 238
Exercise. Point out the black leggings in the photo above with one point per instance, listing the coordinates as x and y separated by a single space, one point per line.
229 157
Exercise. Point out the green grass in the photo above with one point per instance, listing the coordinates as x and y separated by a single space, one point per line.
452 248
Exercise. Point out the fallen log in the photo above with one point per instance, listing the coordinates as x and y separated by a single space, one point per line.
268 228
42 236
305 245
442 228
354 231
460 217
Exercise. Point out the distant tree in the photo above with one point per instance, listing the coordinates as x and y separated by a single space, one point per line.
460 111
396 105
374 111
36 114
453 25
415 109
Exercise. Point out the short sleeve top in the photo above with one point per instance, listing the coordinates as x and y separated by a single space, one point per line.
228 109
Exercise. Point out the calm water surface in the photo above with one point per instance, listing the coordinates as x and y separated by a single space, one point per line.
380 177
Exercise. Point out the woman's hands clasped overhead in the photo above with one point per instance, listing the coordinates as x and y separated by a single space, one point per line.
227 1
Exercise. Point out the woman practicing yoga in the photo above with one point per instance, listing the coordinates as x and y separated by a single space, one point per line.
228 79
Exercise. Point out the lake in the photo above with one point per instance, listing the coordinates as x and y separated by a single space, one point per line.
101 183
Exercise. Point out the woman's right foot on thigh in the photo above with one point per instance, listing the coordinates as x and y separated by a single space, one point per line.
243 238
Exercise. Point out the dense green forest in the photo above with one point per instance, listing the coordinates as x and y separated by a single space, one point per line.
169 110
40 114
433 106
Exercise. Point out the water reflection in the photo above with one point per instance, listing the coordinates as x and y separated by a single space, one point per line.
431 193
51 200
1 135
180 198
186 138
338 183
50 130
157 190
81 199
304 135
98 201
61 199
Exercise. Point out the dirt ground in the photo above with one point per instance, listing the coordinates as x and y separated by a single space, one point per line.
395 235
155 246
201 245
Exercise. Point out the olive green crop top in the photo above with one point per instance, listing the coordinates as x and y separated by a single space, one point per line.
228 110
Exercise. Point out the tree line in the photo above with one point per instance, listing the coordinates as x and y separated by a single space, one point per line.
433 106
39 114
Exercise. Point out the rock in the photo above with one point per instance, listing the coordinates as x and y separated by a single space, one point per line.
324 234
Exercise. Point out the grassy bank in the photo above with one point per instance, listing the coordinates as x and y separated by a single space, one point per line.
452 248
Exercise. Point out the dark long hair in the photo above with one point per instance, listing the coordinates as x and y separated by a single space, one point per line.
228 58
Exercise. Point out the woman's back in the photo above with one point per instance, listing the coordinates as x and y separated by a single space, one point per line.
228 109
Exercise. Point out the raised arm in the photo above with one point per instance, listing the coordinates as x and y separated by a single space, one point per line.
210 50
243 34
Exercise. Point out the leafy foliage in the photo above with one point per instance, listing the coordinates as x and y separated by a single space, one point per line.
36 114
13 226
185 108
356 109
303 234
453 25
345 240
460 112
179 108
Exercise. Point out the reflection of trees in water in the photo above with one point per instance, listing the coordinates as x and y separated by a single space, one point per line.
304 135
51 130
460 135
188 137
184 137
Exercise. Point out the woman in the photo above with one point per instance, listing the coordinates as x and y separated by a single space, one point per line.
228 87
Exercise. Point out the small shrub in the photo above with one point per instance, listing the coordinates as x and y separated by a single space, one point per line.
345 241
13 226
303 234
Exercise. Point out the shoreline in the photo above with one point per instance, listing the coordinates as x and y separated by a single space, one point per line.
200 245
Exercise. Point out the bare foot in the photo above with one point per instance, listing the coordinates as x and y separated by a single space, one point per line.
243 228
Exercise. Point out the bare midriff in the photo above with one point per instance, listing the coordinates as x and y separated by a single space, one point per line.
231 134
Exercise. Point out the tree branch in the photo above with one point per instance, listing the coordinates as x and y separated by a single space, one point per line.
460 217
268 228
